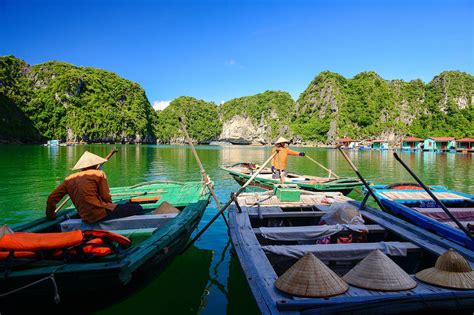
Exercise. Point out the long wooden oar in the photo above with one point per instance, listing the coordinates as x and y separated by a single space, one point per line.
61 205
445 209
232 199
362 179
331 172
205 177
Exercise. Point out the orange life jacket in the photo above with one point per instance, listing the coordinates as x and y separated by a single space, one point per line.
76 244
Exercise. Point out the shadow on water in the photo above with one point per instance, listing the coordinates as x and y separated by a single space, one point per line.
176 290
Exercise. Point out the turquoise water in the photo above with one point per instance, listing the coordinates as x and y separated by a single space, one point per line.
207 279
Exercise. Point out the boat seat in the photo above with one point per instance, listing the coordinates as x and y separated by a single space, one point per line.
276 212
463 214
133 222
340 252
313 232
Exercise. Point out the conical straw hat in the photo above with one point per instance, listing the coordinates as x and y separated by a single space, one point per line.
451 270
87 160
282 140
310 277
378 272
164 208
4 230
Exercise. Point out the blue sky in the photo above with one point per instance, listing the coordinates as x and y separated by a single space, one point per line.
218 50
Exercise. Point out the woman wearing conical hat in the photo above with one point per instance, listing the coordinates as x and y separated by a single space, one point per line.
279 161
90 193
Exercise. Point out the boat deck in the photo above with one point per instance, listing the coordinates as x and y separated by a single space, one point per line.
269 238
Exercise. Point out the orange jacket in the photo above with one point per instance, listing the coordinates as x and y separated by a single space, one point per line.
279 161
89 192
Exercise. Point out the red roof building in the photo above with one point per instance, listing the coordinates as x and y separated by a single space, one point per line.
412 139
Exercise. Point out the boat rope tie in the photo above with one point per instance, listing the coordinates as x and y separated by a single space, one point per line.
57 298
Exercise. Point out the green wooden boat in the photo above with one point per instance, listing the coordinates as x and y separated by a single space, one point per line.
156 239
243 171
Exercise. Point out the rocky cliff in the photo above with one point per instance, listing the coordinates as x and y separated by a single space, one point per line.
59 100
62 101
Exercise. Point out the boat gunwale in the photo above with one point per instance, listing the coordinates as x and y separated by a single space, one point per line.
250 254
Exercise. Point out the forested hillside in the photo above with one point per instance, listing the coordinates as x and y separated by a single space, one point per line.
60 100
74 104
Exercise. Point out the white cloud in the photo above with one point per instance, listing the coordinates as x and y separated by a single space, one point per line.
160 105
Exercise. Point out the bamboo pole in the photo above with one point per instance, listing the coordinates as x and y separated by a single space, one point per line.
61 205
232 199
331 172
205 177
433 196
369 189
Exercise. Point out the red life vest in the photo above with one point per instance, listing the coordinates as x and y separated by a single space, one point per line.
77 244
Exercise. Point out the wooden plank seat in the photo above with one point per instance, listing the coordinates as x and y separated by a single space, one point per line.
312 232
277 212
411 195
128 223
464 214
341 252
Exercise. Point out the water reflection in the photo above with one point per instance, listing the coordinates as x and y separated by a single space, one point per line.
213 279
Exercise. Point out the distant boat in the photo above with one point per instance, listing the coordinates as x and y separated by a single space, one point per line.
52 143
415 205
269 236
243 171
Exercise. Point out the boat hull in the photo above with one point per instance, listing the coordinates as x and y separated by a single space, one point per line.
72 279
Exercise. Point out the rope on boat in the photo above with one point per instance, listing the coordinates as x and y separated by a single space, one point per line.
57 298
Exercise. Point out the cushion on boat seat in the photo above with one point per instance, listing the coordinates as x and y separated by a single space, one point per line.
354 251
308 233
464 214
133 222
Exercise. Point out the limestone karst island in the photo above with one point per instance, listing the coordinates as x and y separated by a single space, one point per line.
236 157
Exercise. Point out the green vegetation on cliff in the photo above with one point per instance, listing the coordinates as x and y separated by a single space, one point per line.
368 106
201 117
60 100
76 103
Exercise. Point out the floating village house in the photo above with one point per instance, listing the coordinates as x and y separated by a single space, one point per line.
379 145
346 142
465 144
439 143
412 143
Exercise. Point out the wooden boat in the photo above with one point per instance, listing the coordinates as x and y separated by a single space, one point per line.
156 239
411 202
241 172
269 236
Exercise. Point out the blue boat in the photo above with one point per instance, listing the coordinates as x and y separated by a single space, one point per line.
410 202
270 235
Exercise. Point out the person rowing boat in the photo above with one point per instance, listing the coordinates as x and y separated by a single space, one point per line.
279 161
90 193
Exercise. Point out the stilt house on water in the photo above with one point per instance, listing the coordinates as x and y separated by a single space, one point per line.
379 145
439 144
465 145
412 143
346 143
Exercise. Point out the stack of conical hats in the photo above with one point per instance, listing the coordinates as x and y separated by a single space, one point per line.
378 272
87 160
451 270
310 277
